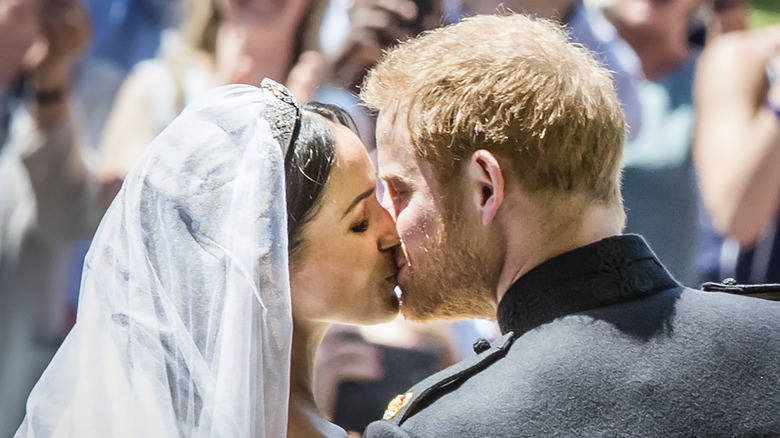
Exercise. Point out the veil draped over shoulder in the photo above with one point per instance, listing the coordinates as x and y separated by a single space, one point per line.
184 323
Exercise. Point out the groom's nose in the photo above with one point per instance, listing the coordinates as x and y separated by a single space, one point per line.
387 203
388 238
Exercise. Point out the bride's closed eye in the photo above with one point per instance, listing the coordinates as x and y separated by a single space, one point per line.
359 205
361 226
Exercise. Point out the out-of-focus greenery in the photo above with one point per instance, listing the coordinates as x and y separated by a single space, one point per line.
763 13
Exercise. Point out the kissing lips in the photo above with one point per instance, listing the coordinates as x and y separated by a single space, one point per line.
393 278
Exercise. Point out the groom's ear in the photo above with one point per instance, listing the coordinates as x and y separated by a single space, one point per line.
485 184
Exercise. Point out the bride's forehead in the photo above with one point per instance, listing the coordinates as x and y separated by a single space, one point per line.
349 150
352 172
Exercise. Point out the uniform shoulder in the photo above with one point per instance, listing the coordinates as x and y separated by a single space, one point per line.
768 291
427 391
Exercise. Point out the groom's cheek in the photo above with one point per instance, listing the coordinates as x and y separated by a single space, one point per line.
417 229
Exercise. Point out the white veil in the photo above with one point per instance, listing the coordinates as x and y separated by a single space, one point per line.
184 323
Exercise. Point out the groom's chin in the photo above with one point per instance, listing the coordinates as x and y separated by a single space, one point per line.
414 313
421 305
417 306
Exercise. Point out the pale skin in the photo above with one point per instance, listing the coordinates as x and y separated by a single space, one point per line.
346 274
737 136
517 233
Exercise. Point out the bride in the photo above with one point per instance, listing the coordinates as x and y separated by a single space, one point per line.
249 225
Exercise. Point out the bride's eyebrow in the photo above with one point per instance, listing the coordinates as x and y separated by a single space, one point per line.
357 200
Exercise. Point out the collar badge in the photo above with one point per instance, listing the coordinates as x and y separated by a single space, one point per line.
396 405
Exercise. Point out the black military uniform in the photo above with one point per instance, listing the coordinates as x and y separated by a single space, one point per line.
602 341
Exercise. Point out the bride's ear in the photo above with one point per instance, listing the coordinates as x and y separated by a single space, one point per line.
485 184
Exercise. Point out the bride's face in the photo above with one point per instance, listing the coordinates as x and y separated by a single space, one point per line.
347 269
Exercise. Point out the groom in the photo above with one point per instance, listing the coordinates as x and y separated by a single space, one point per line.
499 145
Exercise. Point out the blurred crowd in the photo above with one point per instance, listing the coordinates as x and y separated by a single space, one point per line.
85 85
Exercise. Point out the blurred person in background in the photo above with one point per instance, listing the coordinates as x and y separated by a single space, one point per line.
219 42
358 369
124 33
48 116
713 18
727 16
659 185
737 148
587 27
374 25
129 31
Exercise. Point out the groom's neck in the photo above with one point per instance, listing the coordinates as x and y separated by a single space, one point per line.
575 224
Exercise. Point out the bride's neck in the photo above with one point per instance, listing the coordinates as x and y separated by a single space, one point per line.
306 339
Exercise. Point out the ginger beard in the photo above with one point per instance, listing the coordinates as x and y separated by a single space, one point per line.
444 277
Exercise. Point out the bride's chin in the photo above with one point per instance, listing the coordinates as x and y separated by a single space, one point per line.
394 305
389 310
382 307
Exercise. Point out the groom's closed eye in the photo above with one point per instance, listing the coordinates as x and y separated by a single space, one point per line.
397 194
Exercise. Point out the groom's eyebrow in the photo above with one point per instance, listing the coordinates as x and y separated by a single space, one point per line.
357 200
391 177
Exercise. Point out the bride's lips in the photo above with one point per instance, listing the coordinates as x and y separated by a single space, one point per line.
393 278
400 258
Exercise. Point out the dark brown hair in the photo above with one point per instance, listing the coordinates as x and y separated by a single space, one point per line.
307 166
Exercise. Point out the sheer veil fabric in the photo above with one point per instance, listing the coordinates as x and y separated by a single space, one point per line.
184 323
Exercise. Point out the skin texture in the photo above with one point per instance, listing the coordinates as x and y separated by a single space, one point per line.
488 171
346 273
463 256
443 275
355 286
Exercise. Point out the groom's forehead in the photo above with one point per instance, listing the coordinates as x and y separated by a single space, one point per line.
393 139
391 121
393 169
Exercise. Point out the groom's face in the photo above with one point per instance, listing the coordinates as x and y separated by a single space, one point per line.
443 277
